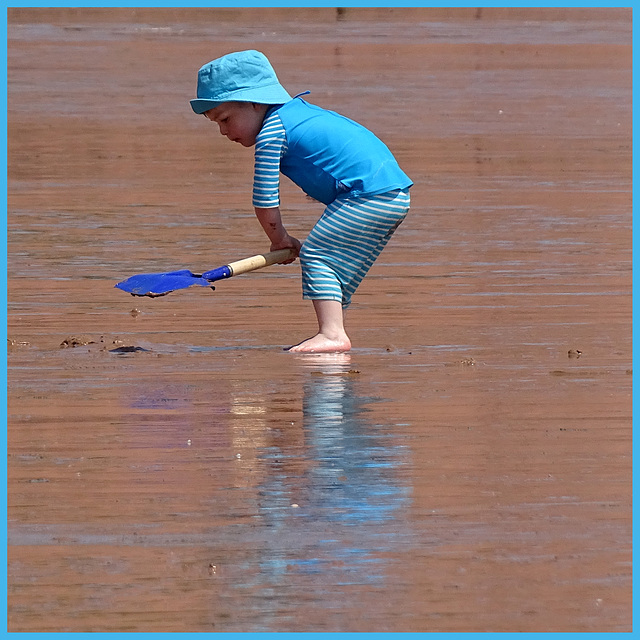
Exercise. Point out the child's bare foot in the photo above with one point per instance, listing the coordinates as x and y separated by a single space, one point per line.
322 344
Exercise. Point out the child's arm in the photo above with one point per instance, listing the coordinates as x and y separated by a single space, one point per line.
271 222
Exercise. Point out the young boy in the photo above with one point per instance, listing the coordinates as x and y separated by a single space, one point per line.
332 159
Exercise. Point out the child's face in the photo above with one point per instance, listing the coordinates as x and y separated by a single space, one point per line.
239 121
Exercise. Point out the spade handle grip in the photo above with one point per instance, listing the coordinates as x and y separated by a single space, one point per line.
259 261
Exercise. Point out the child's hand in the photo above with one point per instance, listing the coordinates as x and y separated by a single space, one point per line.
289 242
271 222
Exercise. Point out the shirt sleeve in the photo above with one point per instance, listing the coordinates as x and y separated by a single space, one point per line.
271 145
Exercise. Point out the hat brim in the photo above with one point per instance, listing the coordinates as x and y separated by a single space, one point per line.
200 106
270 94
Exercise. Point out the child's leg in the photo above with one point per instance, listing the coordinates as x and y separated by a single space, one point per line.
351 283
331 336
337 255
345 243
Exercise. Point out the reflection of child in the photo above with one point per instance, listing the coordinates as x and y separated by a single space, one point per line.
332 159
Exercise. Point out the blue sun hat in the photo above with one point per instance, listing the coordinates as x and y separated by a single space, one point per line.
244 76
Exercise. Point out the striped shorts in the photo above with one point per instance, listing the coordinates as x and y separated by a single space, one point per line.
346 241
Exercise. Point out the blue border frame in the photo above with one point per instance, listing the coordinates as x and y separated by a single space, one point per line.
275 4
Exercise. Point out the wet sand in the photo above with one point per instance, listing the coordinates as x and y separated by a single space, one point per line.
466 467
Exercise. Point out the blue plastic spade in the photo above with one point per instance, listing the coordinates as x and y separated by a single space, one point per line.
159 284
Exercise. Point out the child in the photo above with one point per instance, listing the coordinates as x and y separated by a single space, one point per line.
332 159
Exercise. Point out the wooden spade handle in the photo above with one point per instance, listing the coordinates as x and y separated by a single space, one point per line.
259 261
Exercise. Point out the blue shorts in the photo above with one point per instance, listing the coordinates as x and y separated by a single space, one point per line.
346 241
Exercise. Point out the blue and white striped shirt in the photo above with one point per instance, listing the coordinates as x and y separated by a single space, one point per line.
325 154
271 145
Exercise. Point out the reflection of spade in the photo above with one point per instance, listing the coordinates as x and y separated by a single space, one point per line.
166 413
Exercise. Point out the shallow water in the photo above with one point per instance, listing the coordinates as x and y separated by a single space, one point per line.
467 467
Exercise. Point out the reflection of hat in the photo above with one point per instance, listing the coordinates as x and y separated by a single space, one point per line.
244 76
